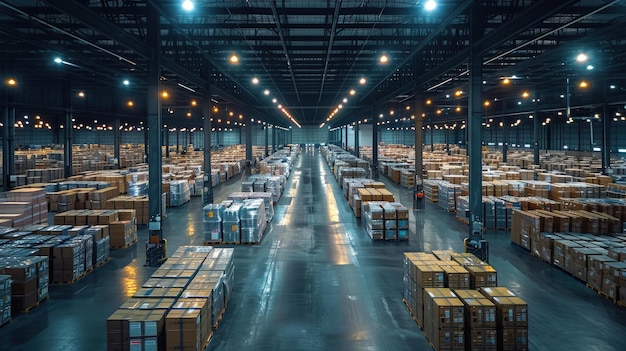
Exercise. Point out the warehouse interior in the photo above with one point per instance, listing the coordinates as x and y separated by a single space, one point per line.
159 119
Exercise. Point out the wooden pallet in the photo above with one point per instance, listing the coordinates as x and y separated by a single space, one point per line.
612 299
621 304
412 314
27 309
206 344
45 298
249 243
211 243
219 318
66 282
123 247
103 262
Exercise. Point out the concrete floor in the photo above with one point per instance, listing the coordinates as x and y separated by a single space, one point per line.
317 282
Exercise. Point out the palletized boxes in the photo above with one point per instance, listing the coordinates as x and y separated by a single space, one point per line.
480 320
232 224
610 279
391 223
24 285
187 325
456 277
136 329
444 319
253 220
5 299
212 219
511 318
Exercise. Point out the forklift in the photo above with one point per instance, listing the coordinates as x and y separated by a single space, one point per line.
156 246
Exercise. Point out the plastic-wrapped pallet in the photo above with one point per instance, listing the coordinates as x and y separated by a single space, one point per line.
213 214
253 221
137 188
247 186
232 224
179 193
259 185
267 200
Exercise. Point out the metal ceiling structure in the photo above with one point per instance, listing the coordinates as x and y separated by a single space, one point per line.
310 55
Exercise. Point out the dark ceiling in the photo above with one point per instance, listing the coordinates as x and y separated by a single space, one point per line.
310 54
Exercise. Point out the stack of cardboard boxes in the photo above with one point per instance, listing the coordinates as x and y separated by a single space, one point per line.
29 277
455 317
178 308
5 299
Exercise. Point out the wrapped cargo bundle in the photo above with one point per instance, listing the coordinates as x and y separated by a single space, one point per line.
212 219
253 221
232 224
179 193
137 188
267 201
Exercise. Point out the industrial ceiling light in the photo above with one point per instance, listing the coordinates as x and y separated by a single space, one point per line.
130 103
11 82
165 94
352 92
430 5
234 59
266 92
255 80
583 84
345 100
362 81
590 67
582 57
506 81
81 94
126 82
58 60
188 5
194 103
384 59
525 94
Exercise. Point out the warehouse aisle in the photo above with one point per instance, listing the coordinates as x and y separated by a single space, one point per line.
316 282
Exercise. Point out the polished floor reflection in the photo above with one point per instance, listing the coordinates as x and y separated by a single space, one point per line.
317 282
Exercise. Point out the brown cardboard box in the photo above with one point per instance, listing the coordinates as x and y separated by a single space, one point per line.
612 271
107 217
510 312
482 276
595 268
456 277
429 276
484 339
480 312
513 339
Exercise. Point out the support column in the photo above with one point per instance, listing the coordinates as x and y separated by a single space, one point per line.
177 142
146 143
248 141
273 139
155 119
374 144
505 141
8 139
356 139
346 138
418 110
167 141
536 134
69 129
207 190
116 141
267 130
606 136
475 116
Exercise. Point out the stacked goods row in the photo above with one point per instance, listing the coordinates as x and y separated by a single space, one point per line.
27 286
21 207
279 163
179 306
265 183
81 198
370 189
447 194
495 212
5 299
235 222
119 226
556 238
456 301
385 220
71 251
137 203
265 196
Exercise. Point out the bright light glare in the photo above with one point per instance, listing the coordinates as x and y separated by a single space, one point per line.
352 92
589 67
255 80
266 92
58 60
583 84
234 59
383 59
188 5
430 5
126 82
581 57
362 81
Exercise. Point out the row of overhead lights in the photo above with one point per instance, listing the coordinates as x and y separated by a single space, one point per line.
351 92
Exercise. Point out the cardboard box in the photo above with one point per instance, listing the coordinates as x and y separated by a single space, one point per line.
482 276
480 312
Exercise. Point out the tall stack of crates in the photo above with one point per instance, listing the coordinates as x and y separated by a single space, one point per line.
232 224
454 317
212 220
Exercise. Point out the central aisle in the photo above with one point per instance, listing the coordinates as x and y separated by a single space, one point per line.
307 287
